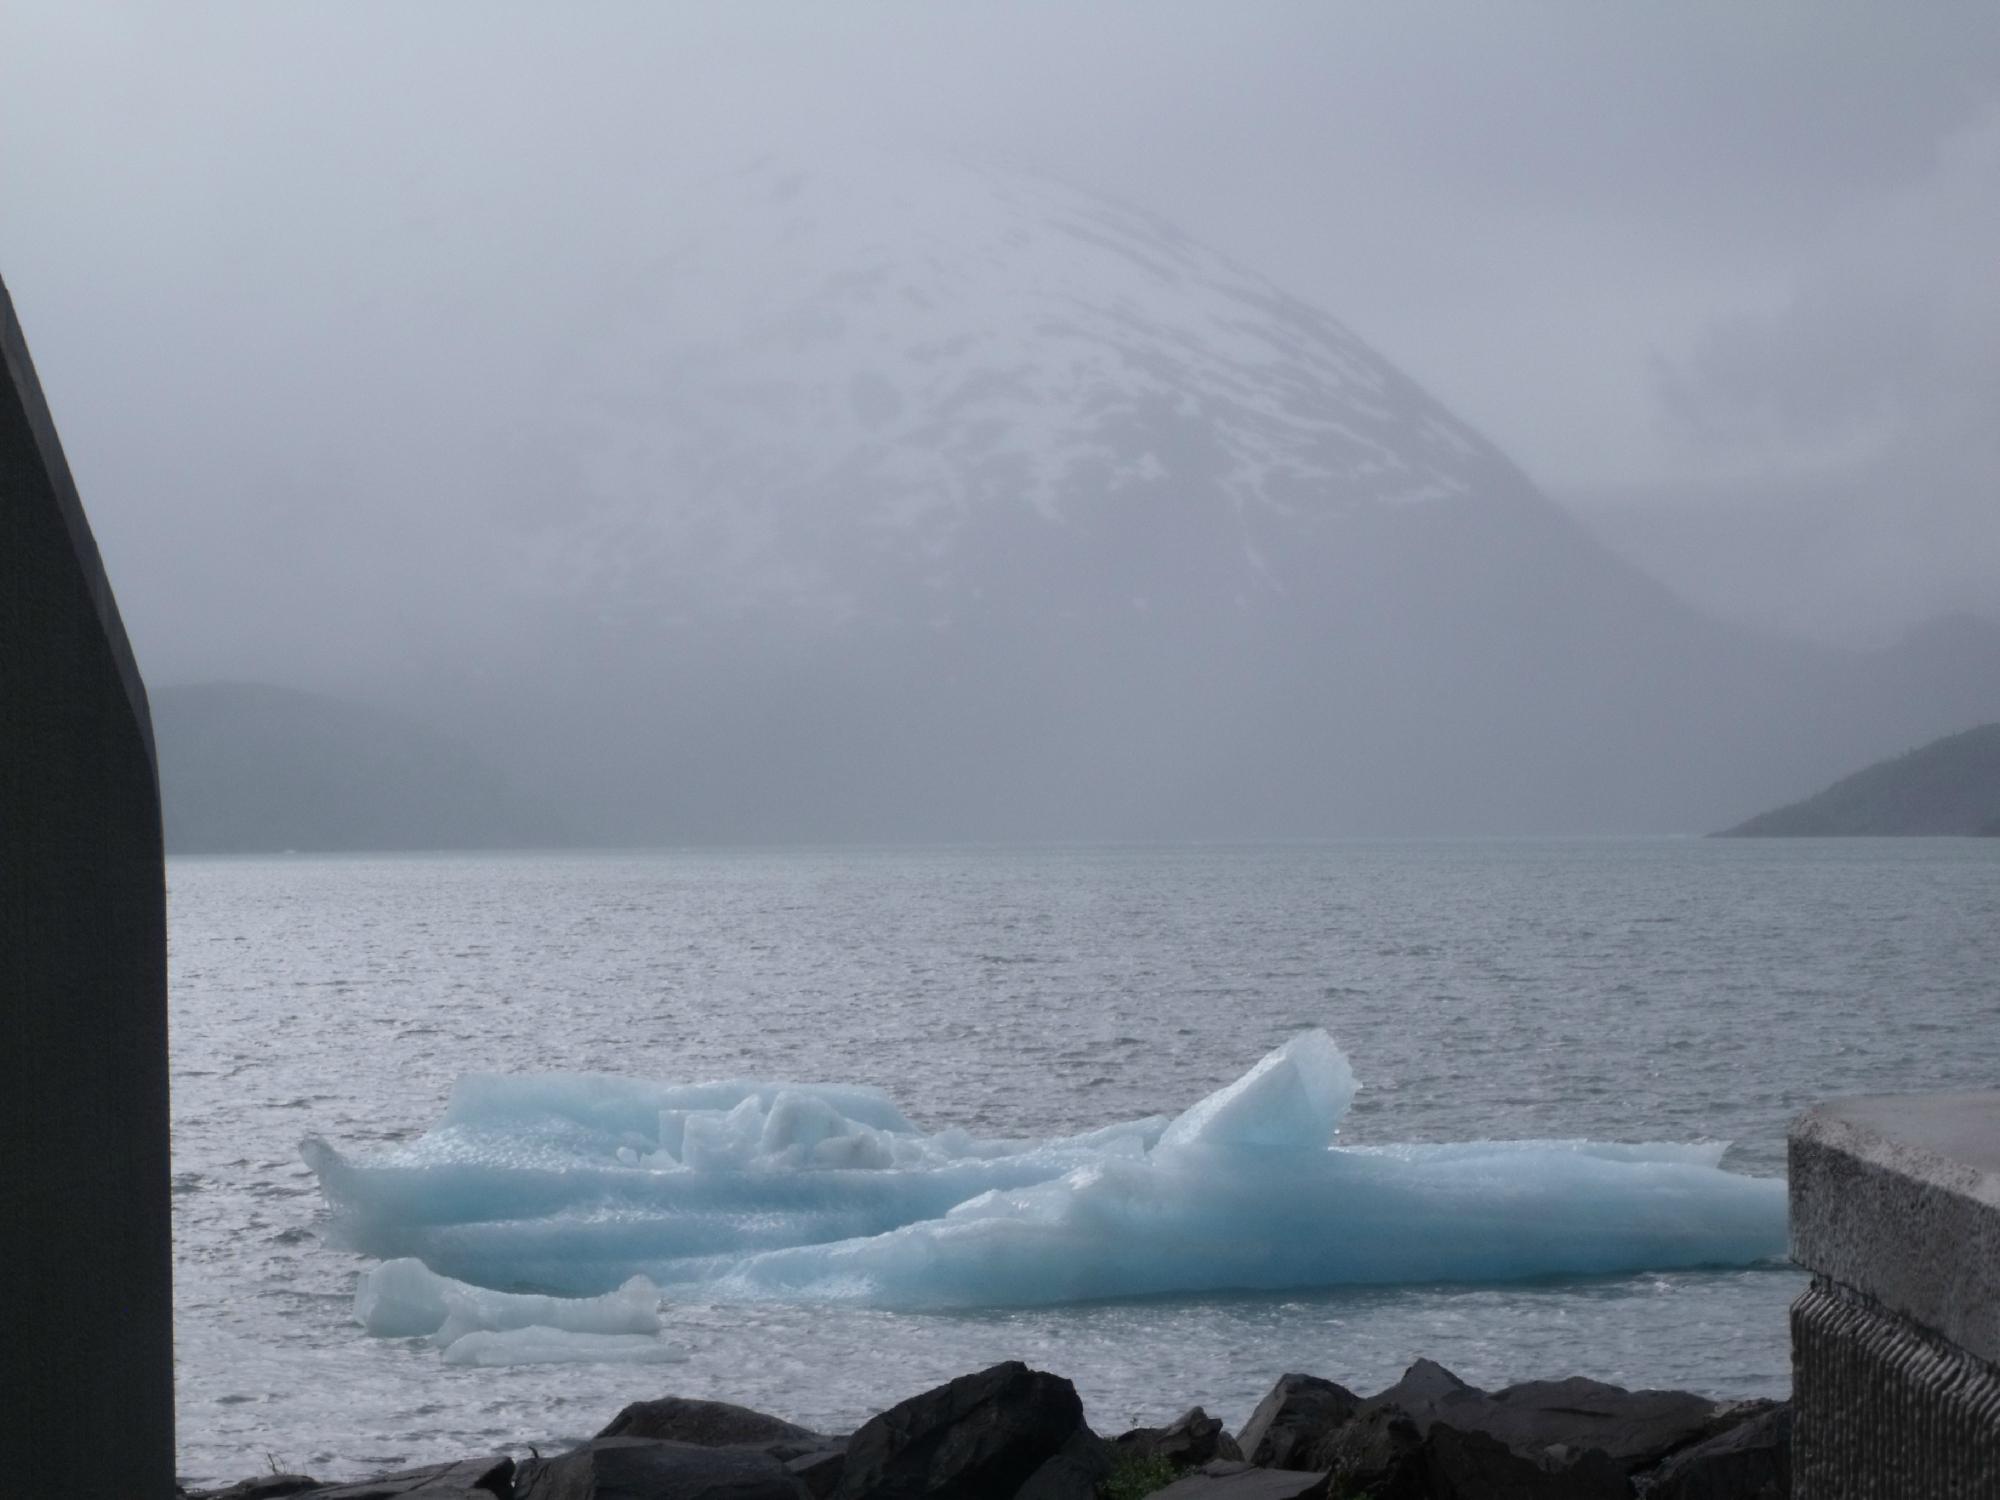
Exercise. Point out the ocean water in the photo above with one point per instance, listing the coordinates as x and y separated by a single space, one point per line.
1676 990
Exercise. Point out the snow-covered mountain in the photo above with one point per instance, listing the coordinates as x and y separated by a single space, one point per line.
877 498
823 382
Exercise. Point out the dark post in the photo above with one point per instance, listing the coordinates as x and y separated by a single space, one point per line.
85 1238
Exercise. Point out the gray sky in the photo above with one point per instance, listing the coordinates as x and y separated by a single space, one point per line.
1713 271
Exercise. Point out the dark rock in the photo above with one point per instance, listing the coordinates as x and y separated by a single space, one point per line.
626 1468
1635 1428
1428 1393
712 1424
1189 1441
1559 1421
469 1479
820 1471
980 1437
1379 1454
1750 1461
1300 1412
1227 1479
1476 1466
264 1487
1426 1383
1074 1471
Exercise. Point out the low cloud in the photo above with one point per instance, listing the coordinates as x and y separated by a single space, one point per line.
1839 458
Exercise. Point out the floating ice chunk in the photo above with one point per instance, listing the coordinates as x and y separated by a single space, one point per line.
632 1308
551 1346
1292 1100
405 1299
773 1190
401 1299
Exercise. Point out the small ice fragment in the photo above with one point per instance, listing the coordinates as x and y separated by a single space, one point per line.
404 1299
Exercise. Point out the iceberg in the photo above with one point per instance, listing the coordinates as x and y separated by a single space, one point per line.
755 1190
475 1326
405 1299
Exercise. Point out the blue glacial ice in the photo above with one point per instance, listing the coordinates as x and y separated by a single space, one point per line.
572 1185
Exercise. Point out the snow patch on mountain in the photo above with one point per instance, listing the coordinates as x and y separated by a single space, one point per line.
817 367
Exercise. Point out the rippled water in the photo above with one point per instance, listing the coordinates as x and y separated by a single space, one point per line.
1670 990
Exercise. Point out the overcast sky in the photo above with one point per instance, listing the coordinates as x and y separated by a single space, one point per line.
1735 259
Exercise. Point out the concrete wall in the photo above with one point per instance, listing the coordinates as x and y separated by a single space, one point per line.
85 1234
1895 1208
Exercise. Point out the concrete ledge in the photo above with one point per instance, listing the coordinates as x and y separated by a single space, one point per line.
1882 1408
1898 1200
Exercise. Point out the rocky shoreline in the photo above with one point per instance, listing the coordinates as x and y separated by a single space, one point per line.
1012 1433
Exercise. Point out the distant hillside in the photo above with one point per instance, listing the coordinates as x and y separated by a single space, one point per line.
1950 786
249 768
869 498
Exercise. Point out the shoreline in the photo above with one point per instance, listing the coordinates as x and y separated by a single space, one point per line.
1011 1431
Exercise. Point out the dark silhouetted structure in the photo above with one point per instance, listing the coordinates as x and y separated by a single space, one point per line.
85 1238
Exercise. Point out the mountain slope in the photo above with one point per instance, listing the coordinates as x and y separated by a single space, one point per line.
873 498
1950 786
250 768
828 390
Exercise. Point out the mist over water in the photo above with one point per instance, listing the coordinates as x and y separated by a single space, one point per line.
762 427
1668 990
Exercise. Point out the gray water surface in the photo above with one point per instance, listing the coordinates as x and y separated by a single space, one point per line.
1620 990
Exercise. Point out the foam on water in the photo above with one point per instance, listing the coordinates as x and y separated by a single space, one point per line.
572 1184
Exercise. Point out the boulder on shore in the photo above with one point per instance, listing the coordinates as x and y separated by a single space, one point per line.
1189 1441
1432 1436
1227 1479
1475 1465
988 1434
1288 1424
1012 1433
629 1468
1751 1461
714 1424
470 1479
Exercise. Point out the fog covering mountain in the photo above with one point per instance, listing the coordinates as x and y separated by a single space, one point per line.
251 768
871 499
1950 787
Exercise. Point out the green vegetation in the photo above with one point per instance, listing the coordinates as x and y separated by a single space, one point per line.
1134 1475
1950 786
